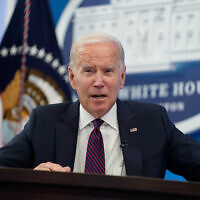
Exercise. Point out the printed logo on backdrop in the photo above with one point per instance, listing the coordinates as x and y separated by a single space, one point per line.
161 39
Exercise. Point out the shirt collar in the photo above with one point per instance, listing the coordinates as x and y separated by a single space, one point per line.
85 118
109 118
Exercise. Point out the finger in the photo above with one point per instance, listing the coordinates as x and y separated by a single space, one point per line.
41 166
55 167
48 166
41 169
67 169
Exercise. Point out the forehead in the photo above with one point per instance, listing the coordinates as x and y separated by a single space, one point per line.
108 51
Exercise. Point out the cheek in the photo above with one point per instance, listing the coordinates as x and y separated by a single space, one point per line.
83 85
117 83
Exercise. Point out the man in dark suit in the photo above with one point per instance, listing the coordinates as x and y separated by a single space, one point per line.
138 138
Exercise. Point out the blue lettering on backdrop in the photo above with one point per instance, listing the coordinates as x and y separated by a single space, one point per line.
178 91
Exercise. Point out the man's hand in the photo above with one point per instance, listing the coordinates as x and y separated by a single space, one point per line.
52 167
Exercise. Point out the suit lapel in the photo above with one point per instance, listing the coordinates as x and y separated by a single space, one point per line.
129 134
66 136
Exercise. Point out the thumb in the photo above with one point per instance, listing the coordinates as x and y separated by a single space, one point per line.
67 168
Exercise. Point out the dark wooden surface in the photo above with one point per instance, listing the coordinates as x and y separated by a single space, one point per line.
28 184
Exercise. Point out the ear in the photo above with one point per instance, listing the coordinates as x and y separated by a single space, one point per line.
123 77
71 78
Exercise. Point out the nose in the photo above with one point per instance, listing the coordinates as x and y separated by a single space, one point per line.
99 81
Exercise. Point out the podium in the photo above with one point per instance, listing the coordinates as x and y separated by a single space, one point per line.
31 185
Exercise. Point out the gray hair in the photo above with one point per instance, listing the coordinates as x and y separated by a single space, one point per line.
94 38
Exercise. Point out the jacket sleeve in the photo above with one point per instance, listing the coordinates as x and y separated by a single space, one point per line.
19 152
183 156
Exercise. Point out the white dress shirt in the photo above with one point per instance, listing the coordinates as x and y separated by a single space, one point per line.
114 162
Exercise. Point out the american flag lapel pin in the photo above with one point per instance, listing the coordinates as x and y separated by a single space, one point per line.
133 130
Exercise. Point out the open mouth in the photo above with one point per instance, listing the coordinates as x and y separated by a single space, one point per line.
98 96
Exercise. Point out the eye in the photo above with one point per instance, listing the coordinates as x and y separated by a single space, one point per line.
88 70
108 70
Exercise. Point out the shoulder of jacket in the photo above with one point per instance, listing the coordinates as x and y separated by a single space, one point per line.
54 108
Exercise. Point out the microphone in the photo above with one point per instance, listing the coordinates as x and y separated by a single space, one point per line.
124 144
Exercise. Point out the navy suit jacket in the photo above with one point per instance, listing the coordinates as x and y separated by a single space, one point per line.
157 145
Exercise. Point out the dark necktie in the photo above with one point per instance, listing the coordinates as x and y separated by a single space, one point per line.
95 159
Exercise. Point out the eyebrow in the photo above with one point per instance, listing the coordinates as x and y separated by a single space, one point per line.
89 66
86 66
109 66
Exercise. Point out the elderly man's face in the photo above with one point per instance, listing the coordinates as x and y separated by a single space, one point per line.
98 76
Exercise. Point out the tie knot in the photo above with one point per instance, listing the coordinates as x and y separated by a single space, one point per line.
97 123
